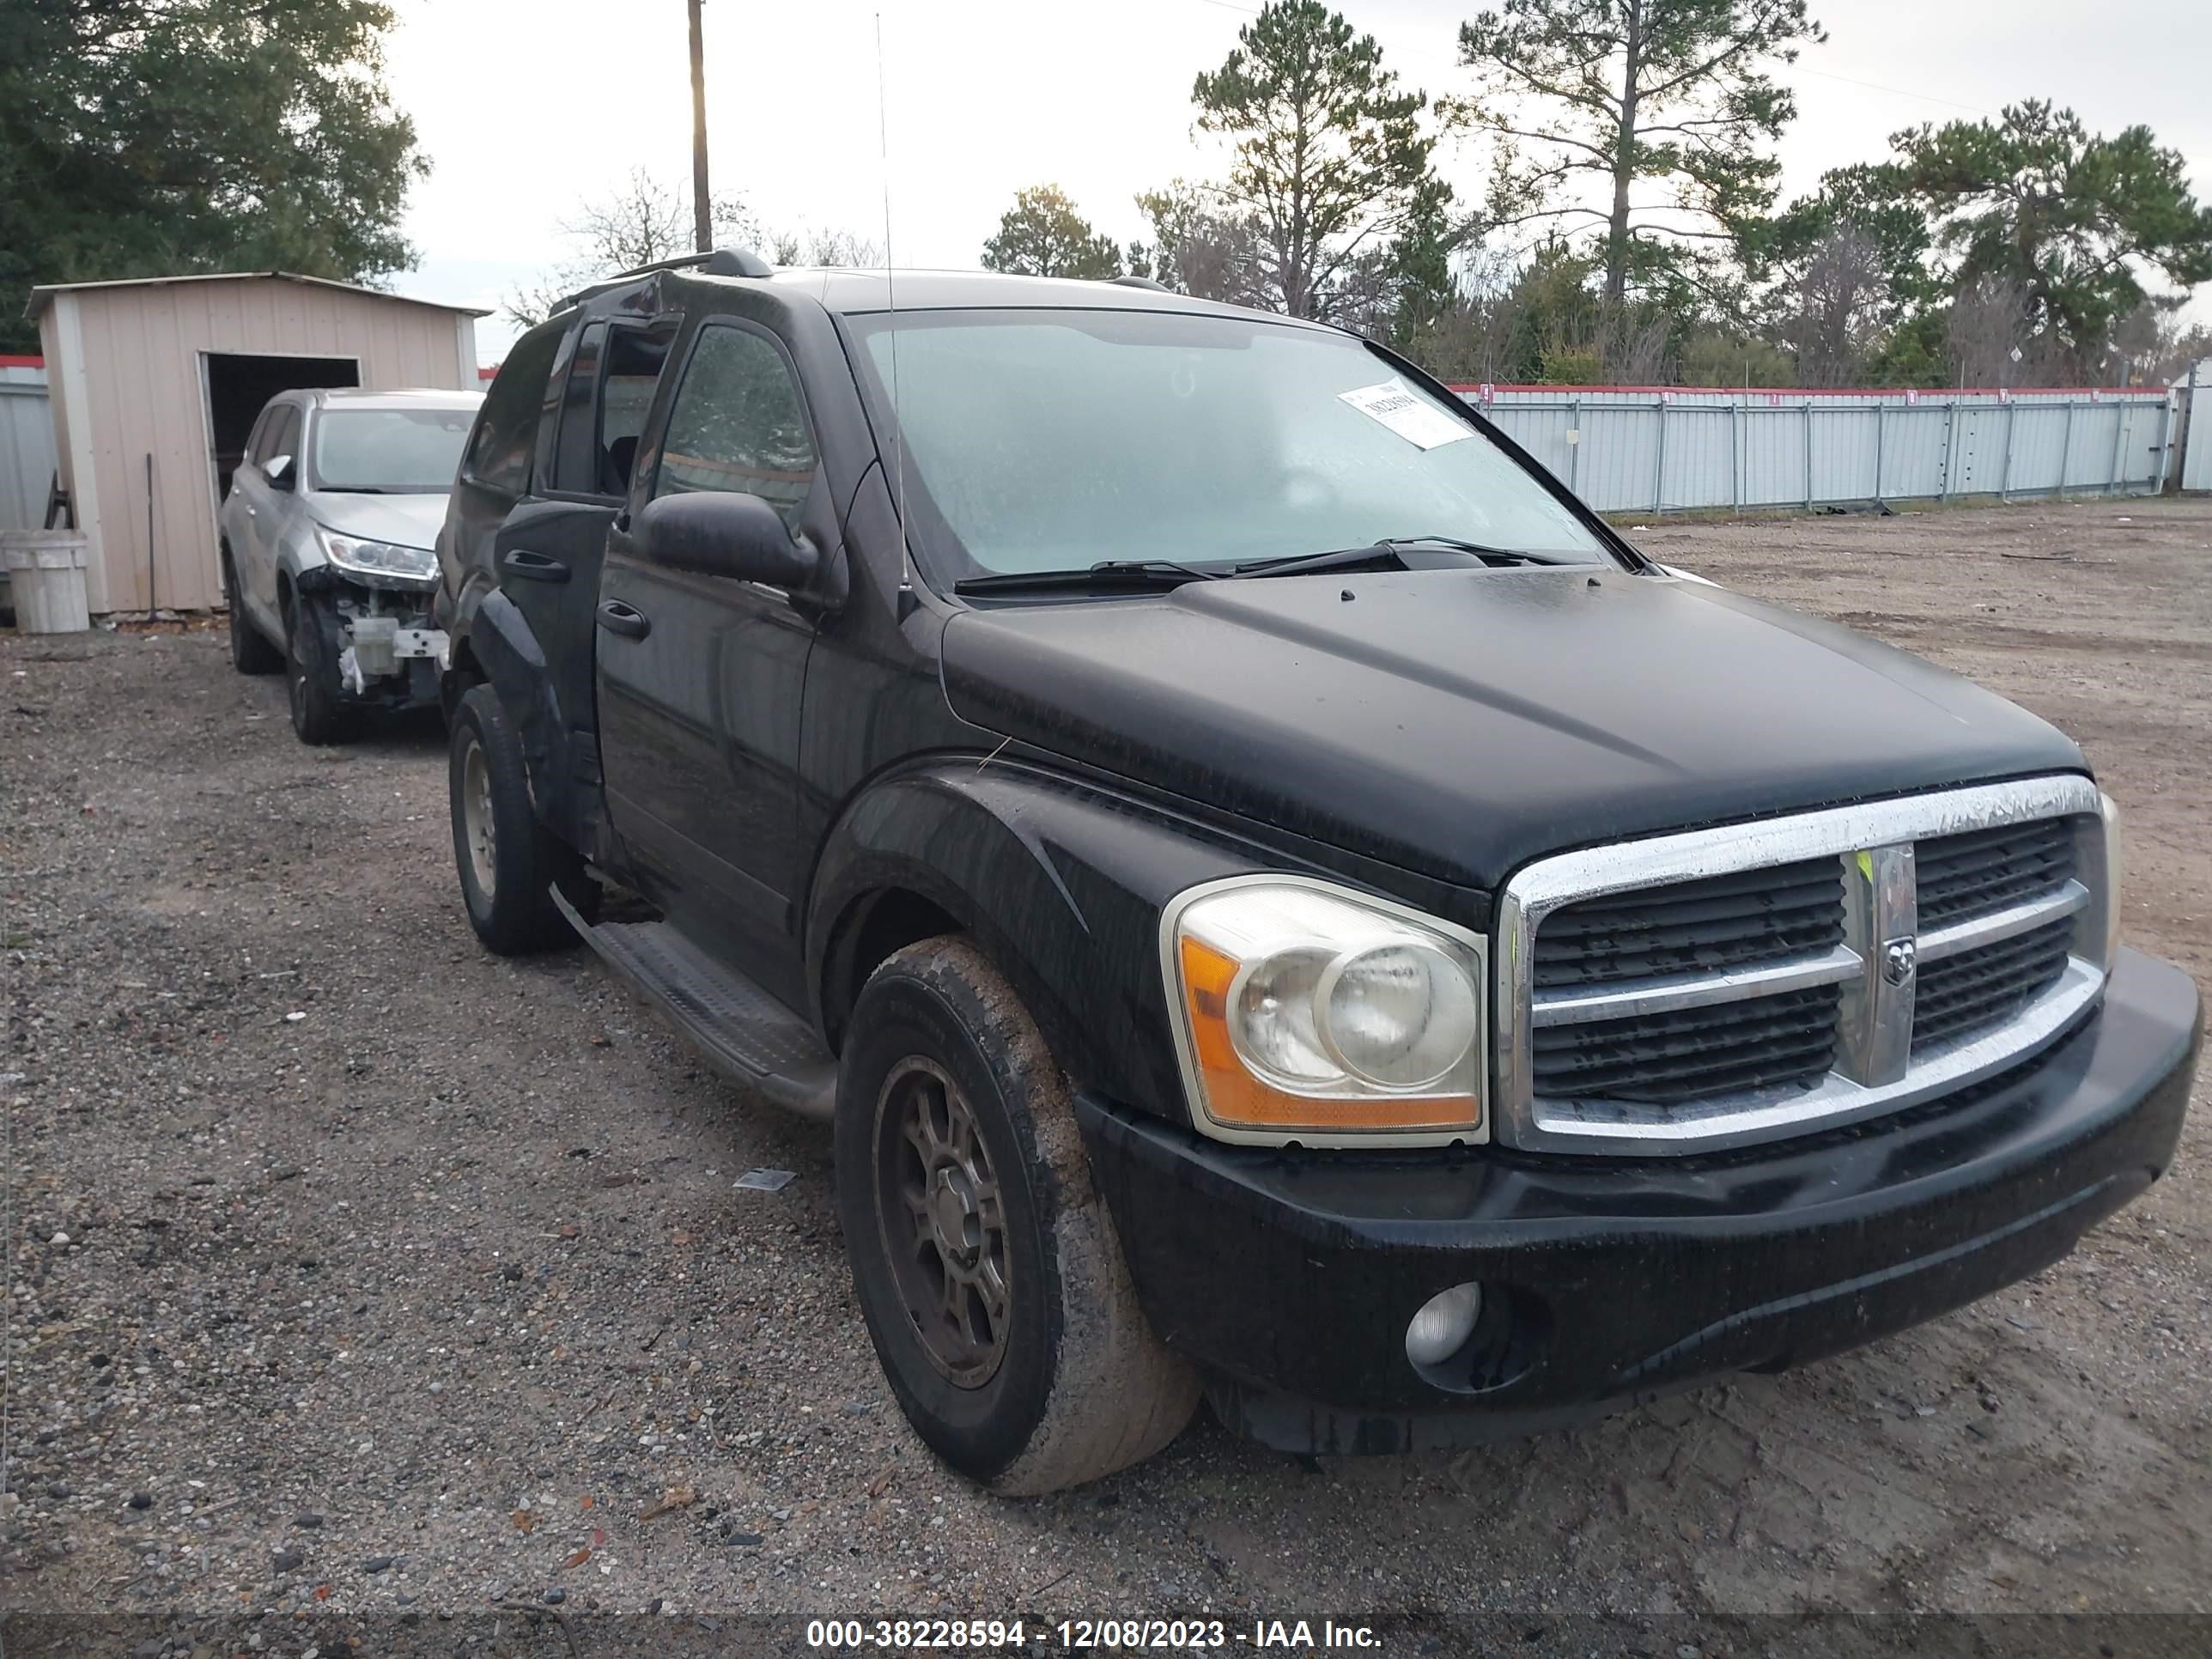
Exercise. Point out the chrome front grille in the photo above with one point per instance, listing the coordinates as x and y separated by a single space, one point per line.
1694 926
1961 995
1686 931
1739 984
1774 1041
1982 870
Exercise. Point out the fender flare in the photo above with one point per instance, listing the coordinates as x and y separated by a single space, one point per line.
1059 883
499 639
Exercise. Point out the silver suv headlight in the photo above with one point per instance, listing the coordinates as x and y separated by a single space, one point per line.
378 558
1310 1013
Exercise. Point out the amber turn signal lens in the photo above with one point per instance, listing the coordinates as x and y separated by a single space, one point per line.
1236 1099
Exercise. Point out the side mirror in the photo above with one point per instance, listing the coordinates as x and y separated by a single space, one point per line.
277 469
724 534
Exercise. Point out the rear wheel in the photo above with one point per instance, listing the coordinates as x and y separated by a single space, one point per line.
318 716
507 861
249 653
986 1265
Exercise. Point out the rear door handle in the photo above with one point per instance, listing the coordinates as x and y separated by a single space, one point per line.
618 618
534 567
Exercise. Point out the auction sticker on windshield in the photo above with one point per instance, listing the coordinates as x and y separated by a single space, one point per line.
1418 421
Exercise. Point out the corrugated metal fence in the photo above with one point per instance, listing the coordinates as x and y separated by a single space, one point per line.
1653 449
27 445
2195 392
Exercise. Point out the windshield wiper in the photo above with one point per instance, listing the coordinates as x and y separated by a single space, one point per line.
1480 549
1108 573
1166 573
1349 558
1344 558
359 490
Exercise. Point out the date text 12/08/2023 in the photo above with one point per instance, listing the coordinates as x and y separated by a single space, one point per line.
1087 1635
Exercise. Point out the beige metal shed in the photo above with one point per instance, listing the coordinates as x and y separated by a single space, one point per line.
175 369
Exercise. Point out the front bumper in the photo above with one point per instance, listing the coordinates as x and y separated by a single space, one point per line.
377 650
1288 1277
380 637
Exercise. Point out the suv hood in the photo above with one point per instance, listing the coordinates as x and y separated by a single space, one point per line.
1460 723
407 521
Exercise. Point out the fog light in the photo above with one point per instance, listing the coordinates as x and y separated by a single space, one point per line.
1443 1324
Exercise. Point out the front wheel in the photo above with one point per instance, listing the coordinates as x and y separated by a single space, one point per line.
508 861
988 1268
311 677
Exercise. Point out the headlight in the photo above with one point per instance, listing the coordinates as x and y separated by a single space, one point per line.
380 558
1305 1011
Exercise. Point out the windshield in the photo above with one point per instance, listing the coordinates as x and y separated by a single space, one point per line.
396 451
1056 440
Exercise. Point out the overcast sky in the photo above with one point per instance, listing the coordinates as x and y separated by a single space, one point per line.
528 107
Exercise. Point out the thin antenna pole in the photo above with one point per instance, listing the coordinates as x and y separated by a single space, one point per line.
702 208
891 304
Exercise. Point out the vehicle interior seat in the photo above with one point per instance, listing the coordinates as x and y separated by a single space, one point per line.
614 466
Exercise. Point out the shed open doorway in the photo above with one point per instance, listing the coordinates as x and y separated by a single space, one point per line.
239 383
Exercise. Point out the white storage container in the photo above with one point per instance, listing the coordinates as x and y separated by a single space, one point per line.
46 576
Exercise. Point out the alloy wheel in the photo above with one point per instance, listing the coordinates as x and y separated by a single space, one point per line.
942 1222
477 817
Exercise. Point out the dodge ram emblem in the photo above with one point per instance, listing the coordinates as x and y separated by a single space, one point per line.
1897 960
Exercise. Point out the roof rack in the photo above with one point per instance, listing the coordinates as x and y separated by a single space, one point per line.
721 262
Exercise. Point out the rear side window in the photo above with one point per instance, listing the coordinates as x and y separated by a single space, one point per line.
507 432
603 406
635 357
738 424
602 399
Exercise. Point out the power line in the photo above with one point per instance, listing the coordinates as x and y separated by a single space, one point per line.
1899 92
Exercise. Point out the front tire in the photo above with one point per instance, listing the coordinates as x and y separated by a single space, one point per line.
311 678
986 1265
249 653
508 861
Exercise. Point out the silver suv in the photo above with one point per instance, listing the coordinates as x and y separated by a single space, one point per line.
326 548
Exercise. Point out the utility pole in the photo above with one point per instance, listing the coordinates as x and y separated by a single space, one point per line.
703 210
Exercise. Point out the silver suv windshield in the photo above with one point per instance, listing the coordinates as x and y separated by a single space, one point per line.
396 452
1053 440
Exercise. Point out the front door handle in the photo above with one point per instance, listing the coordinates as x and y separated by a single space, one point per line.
534 567
618 618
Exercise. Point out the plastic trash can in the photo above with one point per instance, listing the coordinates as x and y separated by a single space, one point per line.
46 577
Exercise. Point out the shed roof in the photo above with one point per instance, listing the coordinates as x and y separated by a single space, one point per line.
43 294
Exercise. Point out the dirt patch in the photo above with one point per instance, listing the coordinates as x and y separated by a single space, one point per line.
340 1243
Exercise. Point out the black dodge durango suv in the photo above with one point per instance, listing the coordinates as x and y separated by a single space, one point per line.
1278 902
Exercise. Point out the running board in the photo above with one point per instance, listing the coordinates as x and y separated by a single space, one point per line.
746 1033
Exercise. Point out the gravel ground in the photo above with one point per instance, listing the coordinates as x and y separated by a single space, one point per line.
354 1269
